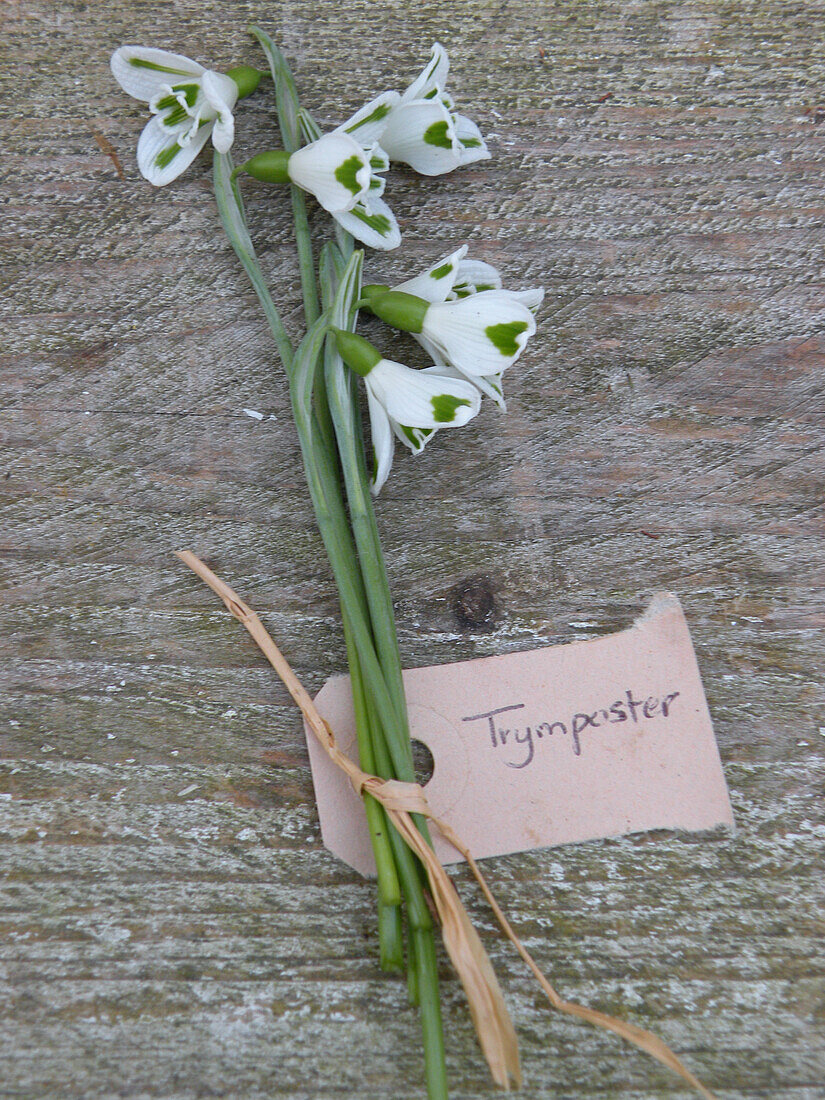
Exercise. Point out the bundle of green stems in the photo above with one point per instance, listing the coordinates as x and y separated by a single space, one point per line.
324 403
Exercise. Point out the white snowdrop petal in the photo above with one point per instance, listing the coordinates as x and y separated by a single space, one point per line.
478 275
367 125
160 155
372 222
383 442
221 91
335 169
433 352
473 146
421 400
436 283
414 438
422 135
379 161
432 76
489 385
482 334
223 132
141 71
531 298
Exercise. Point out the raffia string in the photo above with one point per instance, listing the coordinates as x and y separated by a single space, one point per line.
493 1025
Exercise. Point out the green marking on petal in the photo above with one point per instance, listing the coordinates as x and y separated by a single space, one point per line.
504 336
440 272
431 94
375 184
379 222
378 164
140 63
484 286
416 436
175 117
381 111
166 156
445 405
437 135
347 174
470 143
190 94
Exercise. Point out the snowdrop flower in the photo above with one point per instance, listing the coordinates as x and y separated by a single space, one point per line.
403 403
459 312
188 104
343 173
419 127
454 277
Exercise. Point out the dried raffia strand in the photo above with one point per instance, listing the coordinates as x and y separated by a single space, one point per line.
400 800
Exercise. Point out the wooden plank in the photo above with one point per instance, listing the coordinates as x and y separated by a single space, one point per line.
172 926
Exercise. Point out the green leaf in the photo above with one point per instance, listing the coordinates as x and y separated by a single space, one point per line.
286 93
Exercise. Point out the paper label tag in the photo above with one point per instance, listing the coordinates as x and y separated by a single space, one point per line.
554 745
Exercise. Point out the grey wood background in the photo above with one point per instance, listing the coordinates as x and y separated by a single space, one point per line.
172 926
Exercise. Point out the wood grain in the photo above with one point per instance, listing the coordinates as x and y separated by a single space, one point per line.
172 926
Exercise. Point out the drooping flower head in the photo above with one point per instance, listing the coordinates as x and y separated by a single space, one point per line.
460 314
454 277
404 403
343 171
188 103
419 127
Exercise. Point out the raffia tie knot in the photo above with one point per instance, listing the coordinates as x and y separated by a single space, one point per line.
393 794
492 1021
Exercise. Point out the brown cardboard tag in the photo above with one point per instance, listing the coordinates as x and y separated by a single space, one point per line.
549 746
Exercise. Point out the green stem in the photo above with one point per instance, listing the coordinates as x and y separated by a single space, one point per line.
339 547
392 751
390 937
230 206
378 687
388 888
431 1022
306 263
288 107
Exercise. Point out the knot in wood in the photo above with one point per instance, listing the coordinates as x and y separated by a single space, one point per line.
473 602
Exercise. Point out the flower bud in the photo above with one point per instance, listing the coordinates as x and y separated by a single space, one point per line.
397 308
270 167
246 78
357 353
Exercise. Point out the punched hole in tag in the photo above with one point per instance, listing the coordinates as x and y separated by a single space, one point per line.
423 762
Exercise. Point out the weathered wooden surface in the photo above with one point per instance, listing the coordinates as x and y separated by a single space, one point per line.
171 924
